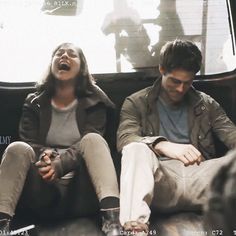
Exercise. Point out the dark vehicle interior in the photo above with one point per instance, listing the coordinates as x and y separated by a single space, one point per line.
220 83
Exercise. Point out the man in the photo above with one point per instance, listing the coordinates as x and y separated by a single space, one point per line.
166 138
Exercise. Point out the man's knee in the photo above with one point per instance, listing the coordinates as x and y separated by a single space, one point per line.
136 152
136 146
20 150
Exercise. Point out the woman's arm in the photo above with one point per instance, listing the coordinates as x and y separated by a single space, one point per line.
30 124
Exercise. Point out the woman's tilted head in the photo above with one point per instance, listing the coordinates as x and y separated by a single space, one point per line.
68 64
65 64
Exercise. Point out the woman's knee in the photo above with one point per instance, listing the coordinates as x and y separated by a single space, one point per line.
19 149
92 140
94 145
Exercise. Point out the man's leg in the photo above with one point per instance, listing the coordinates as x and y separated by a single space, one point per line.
192 184
139 164
169 186
199 179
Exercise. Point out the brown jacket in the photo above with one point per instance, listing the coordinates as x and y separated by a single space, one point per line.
139 120
91 116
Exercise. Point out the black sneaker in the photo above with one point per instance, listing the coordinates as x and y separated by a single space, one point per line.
110 222
5 227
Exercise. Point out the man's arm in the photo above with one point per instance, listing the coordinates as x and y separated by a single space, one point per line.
185 153
130 130
130 127
222 126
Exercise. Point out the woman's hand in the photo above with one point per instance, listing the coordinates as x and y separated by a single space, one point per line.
45 167
186 153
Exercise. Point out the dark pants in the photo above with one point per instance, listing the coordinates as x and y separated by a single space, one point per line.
20 180
21 183
63 198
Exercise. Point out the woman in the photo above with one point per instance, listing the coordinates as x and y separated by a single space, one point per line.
61 128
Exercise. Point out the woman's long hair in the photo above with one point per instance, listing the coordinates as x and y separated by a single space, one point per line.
84 80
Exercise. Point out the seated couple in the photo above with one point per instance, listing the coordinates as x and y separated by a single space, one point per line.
63 167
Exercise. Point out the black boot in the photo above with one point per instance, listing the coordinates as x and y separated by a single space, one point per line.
5 227
110 222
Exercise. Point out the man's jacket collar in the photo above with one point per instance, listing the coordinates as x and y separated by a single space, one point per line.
192 96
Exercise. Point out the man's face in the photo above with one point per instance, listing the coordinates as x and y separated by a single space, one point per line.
176 83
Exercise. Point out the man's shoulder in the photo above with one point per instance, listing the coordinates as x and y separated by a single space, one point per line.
141 94
207 99
201 96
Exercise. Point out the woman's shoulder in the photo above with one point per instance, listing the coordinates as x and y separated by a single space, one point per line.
97 91
36 98
31 97
98 96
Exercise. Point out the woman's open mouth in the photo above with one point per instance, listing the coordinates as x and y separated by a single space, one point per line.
64 66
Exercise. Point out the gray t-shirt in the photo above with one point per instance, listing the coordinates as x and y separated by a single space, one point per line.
63 131
174 121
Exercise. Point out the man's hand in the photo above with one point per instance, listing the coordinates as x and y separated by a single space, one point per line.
186 153
45 167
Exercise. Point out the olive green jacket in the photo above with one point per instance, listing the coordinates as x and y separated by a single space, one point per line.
139 120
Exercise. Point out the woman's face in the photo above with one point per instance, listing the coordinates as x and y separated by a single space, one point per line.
66 63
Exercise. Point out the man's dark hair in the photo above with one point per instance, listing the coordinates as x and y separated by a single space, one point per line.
180 54
84 80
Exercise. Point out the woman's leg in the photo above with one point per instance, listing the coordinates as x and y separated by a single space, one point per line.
43 199
98 160
21 182
82 197
100 166
16 162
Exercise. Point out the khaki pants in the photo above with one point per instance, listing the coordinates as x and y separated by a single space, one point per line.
162 185
19 178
